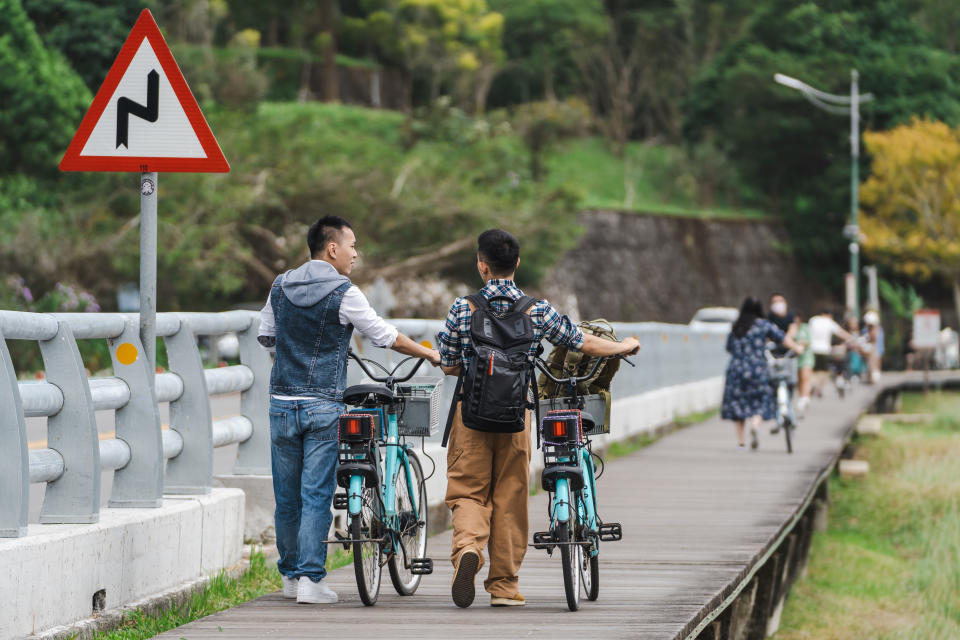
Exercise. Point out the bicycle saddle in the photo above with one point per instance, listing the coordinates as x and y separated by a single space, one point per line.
358 393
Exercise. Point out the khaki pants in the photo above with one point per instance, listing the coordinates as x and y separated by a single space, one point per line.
488 487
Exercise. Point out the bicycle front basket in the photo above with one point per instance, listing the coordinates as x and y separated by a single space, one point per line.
421 407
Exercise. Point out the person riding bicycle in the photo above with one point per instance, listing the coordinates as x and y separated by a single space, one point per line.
308 321
488 474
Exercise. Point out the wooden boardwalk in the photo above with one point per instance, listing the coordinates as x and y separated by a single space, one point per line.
699 518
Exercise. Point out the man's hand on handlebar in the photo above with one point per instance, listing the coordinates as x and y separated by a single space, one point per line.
630 346
594 346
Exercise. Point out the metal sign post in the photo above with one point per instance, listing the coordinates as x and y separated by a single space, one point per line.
148 267
145 119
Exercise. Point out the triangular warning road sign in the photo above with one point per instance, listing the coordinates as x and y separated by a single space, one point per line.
144 117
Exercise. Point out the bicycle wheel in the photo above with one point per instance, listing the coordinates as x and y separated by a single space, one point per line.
589 565
366 555
412 524
571 556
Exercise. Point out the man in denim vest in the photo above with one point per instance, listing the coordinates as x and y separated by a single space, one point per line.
308 320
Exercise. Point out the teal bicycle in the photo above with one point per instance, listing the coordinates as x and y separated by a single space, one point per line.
386 493
570 479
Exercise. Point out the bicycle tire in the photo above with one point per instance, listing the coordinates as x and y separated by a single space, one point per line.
594 591
404 582
570 560
366 555
589 565
787 428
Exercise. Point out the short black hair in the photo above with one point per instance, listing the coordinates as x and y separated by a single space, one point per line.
777 294
500 250
325 230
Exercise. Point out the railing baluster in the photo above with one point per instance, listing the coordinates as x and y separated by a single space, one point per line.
191 472
140 482
14 459
74 497
253 455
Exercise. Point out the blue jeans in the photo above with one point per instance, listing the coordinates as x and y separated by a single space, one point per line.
303 448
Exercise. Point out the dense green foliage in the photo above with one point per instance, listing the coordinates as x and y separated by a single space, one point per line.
794 156
44 98
87 32
224 237
513 113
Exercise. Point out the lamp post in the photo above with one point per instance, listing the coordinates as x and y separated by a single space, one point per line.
842 105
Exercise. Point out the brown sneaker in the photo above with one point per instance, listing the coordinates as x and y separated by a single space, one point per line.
462 589
516 601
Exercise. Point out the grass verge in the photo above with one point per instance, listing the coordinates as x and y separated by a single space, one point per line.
221 593
888 567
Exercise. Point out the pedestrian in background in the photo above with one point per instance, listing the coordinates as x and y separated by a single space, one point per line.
804 365
747 394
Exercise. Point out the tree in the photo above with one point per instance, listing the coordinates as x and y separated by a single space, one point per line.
912 200
540 37
450 44
794 157
43 98
88 33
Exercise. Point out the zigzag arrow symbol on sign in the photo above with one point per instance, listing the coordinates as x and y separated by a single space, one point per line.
127 107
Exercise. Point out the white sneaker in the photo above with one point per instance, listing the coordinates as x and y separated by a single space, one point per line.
310 592
289 586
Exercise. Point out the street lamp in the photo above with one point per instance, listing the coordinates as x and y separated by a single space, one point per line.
842 105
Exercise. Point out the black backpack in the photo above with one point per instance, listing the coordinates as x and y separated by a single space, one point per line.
493 388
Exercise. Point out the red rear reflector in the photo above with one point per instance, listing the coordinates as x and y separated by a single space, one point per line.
559 429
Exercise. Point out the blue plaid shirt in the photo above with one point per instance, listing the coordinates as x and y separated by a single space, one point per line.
548 323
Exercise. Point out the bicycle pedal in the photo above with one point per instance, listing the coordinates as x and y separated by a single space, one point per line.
543 540
341 501
421 566
611 532
344 540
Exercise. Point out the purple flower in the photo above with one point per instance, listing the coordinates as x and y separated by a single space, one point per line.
27 295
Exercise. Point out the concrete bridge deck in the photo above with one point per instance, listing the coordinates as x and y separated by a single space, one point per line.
712 539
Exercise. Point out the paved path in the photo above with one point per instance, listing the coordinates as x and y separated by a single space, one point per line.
697 514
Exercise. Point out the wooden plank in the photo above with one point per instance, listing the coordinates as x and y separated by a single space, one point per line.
697 516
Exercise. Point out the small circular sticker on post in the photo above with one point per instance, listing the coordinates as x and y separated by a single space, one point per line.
147 187
126 353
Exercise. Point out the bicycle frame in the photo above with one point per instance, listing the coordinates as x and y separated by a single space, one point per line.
586 513
387 470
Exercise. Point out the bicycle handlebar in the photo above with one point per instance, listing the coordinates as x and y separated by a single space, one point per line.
572 379
390 379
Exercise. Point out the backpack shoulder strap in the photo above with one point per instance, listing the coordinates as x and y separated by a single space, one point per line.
524 304
477 301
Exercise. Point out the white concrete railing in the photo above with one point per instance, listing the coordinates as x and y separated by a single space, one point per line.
147 461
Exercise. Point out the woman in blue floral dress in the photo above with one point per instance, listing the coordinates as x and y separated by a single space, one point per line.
748 394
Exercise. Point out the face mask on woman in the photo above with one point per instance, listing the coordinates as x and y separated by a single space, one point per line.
779 308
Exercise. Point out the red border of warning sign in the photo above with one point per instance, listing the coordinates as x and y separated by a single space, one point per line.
146 27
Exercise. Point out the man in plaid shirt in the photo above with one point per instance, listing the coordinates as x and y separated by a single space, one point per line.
488 474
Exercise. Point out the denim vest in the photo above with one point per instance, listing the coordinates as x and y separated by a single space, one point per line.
311 358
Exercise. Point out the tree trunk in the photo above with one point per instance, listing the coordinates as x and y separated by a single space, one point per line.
549 93
331 82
